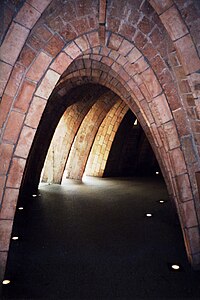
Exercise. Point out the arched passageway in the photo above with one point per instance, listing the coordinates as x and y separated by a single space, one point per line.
138 50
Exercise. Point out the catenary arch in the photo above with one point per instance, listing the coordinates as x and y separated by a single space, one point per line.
14 107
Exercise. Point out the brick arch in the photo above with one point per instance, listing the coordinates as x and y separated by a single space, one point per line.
64 135
103 141
25 78
85 136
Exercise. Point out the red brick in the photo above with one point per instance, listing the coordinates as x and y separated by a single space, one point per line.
81 26
181 122
130 69
61 63
3 259
125 47
177 161
16 173
93 38
2 185
184 187
194 239
27 55
102 11
13 43
140 40
6 151
9 204
54 45
15 80
161 6
35 112
145 92
140 65
35 42
42 32
5 71
27 16
115 41
82 43
185 49
145 25
25 142
189 214
47 85
39 66
188 149
134 88
25 95
127 30
173 23
171 135
158 64
172 96
144 105
73 50
151 82
156 36
134 55
5 234
112 24
156 136
160 109
5 108
149 51
39 5
13 127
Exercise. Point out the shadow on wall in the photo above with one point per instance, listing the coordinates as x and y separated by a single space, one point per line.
131 153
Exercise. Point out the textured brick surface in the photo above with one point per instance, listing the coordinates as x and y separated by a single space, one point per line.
39 5
148 55
24 96
61 63
5 233
27 16
5 71
151 82
25 141
16 172
185 49
35 112
15 80
174 23
47 84
171 135
9 203
4 108
161 5
177 161
162 109
13 43
13 126
54 45
39 66
184 187
6 151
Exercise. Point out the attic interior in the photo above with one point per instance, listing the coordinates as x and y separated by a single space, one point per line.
94 228
99 149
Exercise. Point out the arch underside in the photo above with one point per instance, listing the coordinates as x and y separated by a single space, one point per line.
87 61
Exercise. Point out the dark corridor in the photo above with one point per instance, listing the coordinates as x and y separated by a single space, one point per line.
93 240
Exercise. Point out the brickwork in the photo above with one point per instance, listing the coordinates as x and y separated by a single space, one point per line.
140 53
103 141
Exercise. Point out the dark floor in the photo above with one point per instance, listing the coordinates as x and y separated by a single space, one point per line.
93 241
